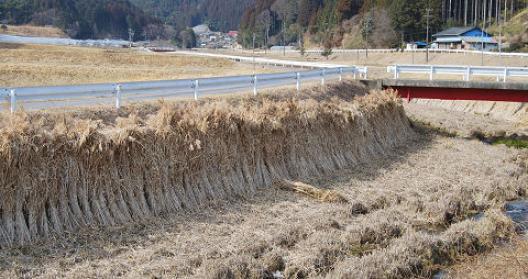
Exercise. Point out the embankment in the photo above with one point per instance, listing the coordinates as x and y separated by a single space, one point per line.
510 111
63 171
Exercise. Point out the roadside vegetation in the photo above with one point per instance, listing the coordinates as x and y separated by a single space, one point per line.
358 192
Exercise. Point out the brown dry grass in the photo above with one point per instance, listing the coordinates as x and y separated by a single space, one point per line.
410 196
461 118
311 191
377 62
506 261
384 59
424 181
25 65
468 123
110 168
36 31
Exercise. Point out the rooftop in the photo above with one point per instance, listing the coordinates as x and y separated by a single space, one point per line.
200 29
455 31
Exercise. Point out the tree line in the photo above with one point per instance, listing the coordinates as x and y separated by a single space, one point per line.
387 22
80 18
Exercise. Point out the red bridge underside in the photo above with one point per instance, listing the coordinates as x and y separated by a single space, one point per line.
499 95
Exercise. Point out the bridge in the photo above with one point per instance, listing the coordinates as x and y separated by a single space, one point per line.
453 90
502 90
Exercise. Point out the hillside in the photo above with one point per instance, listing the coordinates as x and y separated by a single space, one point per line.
223 15
80 18
515 31
361 23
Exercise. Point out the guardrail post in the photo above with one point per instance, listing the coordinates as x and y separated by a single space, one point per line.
340 74
255 80
323 72
467 76
396 72
298 78
505 74
196 89
12 102
365 75
118 96
431 73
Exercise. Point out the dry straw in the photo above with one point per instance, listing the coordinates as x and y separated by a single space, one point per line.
60 172
311 191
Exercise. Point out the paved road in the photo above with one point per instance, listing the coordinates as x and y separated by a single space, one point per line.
261 60
34 98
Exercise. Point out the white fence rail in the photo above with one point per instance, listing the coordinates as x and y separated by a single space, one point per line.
501 73
94 94
394 50
475 52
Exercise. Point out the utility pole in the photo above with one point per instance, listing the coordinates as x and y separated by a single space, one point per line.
500 28
254 69
482 37
266 35
284 37
465 12
130 36
427 34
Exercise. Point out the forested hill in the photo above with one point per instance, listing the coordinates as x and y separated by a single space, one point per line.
223 15
329 23
80 18
358 23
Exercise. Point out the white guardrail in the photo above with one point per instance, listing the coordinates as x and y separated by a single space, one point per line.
501 73
395 50
93 94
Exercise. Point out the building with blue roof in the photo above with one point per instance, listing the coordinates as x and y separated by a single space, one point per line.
471 38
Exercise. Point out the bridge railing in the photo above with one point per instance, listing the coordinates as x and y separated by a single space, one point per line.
501 73
93 94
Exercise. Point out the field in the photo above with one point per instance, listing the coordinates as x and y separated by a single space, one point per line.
24 65
384 59
36 31
377 62
328 183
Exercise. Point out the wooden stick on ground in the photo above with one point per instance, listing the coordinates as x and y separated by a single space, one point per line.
322 195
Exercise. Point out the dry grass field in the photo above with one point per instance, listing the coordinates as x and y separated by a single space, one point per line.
25 65
369 195
36 31
507 261
469 119
377 62
384 59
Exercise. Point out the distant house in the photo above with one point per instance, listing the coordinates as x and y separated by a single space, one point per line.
201 29
416 45
465 38
233 34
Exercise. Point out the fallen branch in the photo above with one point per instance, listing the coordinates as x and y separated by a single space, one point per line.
311 191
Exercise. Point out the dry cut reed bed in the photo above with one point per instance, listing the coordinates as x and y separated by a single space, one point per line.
61 172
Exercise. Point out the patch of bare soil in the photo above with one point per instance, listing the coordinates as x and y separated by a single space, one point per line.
405 217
